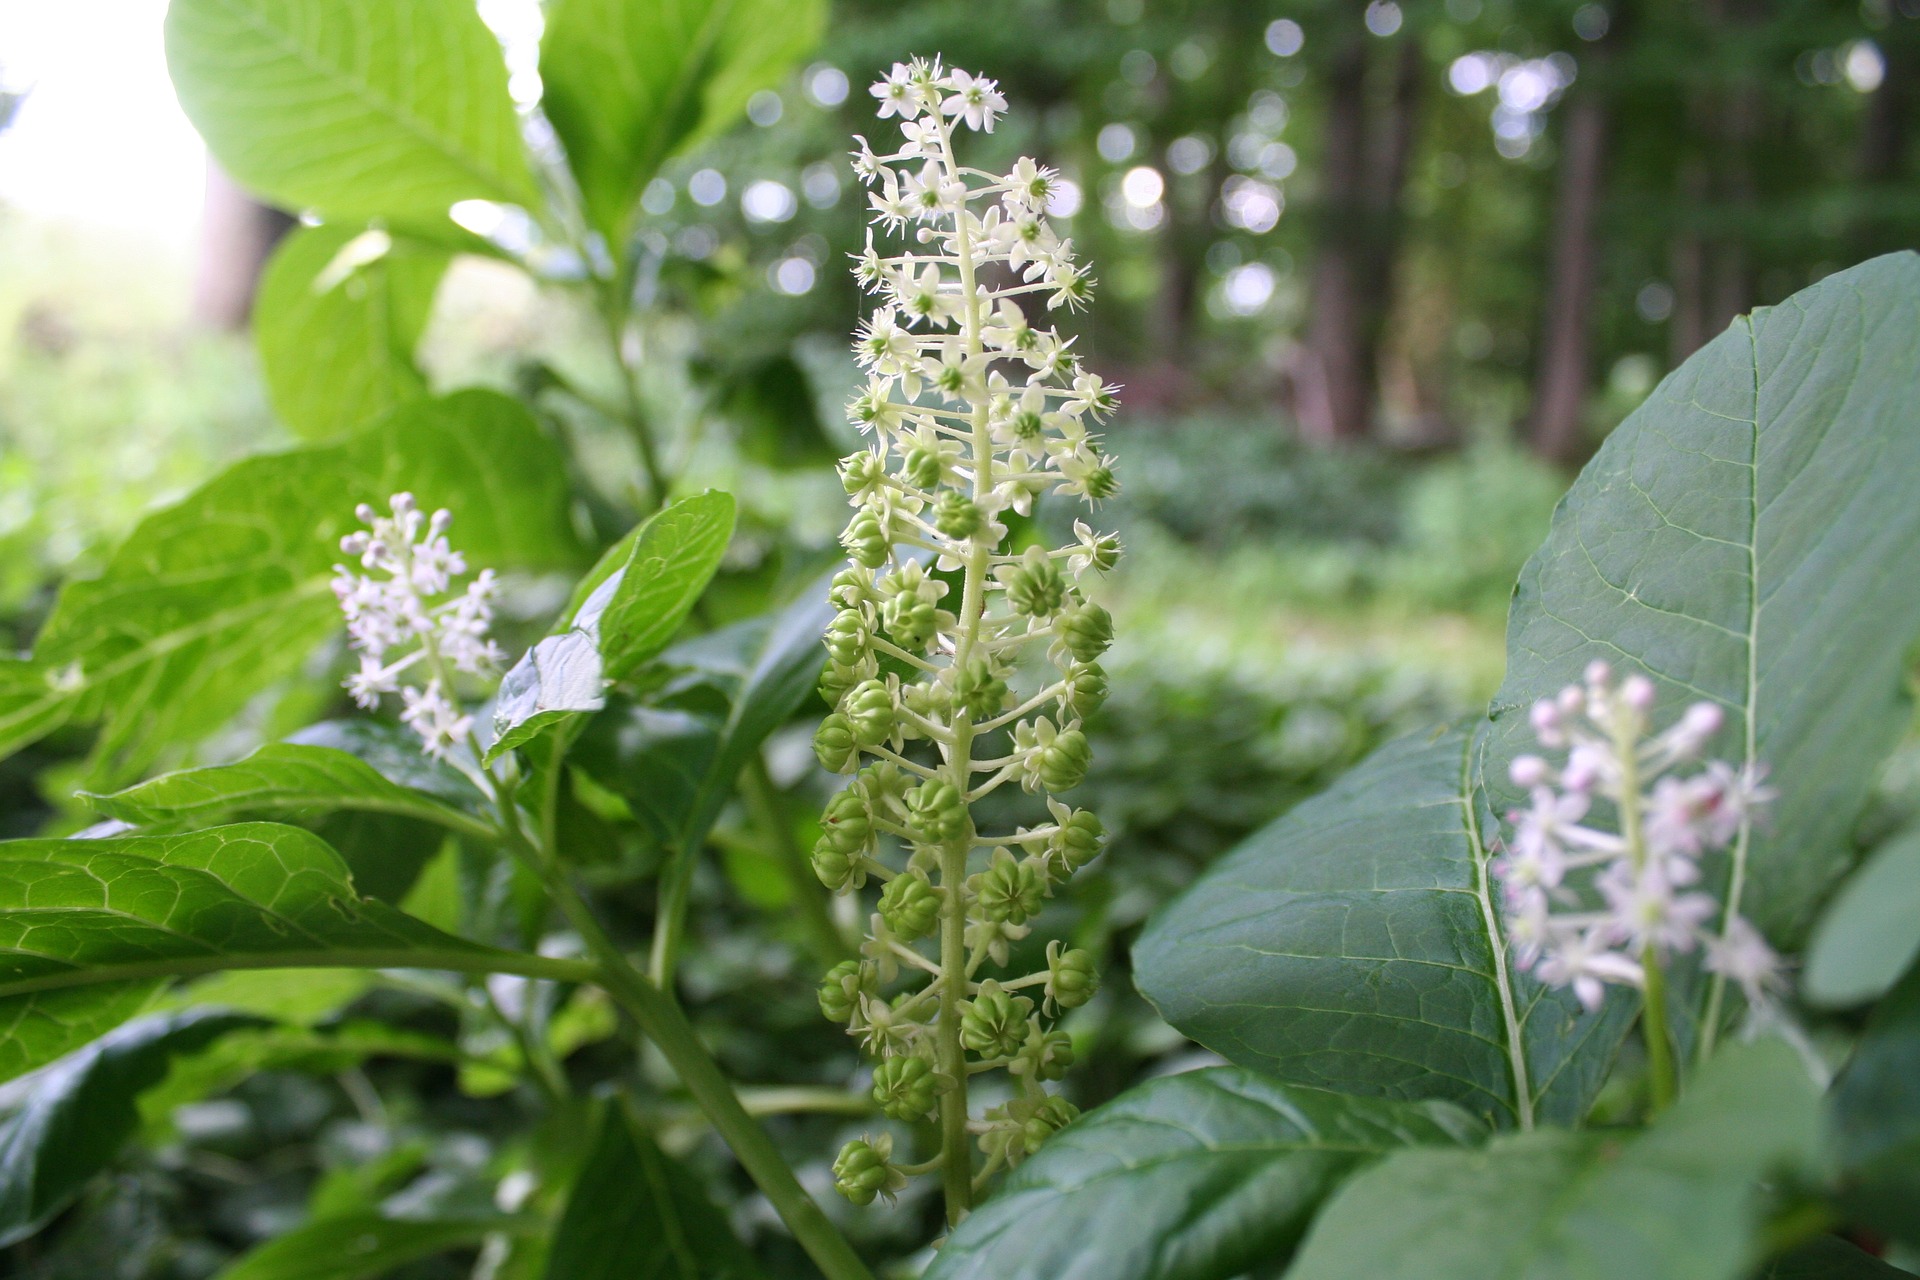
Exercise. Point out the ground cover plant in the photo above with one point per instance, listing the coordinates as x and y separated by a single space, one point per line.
1587 982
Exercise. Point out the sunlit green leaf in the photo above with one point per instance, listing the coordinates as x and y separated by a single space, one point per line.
82 1110
628 83
357 108
359 1246
339 311
1199 1176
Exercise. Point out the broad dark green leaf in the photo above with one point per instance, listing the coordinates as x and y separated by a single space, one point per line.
637 1215
1744 536
1748 537
628 83
359 1246
1830 1258
339 312
1680 1201
282 779
82 1110
675 764
1352 946
89 928
1876 1117
1870 932
357 108
216 597
622 613
1194 1177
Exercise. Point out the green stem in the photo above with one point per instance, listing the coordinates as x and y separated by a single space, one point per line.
1662 1080
612 324
670 920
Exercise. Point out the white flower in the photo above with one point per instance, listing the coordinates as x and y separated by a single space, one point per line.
429 713
1743 956
896 94
1584 962
974 99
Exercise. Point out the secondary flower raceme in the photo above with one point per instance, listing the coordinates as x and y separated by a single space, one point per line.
1645 871
406 619
974 410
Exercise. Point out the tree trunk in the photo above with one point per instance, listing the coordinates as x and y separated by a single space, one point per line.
1363 172
237 236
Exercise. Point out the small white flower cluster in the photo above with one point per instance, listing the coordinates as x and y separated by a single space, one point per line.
1646 872
403 613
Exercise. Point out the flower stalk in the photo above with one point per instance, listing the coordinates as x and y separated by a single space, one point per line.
974 412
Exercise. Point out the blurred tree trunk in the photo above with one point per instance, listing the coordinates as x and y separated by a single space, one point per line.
1886 143
237 236
1712 276
1564 376
1368 141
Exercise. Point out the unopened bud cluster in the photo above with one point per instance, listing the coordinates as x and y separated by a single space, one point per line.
1646 871
973 412
406 620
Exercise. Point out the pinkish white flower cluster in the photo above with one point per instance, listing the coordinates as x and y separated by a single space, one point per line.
1646 869
403 613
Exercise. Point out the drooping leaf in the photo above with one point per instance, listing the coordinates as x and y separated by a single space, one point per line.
359 1246
675 763
216 597
1679 1201
357 108
82 1110
622 613
629 83
1875 1108
1354 945
339 312
635 1214
1761 487
281 779
1870 932
1199 1176
89 928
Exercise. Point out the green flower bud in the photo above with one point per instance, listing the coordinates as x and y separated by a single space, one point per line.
1058 765
1008 891
836 680
846 823
906 1087
994 1023
980 689
840 991
931 700
865 540
1078 841
922 467
882 783
863 472
848 638
869 711
839 870
1086 689
1071 976
910 905
1086 630
833 745
1047 1119
1034 586
863 1170
1100 483
938 811
911 621
852 587
957 515
1046 1055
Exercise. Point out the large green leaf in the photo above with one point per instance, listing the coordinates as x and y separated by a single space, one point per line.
357 108
359 1246
1352 945
1830 1258
90 928
280 779
676 761
1744 536
1194 1177
628 83
216 597
622 613
1876 1117
1870 932
1681 1201
635 1214
83 1109
340 310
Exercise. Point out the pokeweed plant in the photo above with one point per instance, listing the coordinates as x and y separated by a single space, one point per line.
975 412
